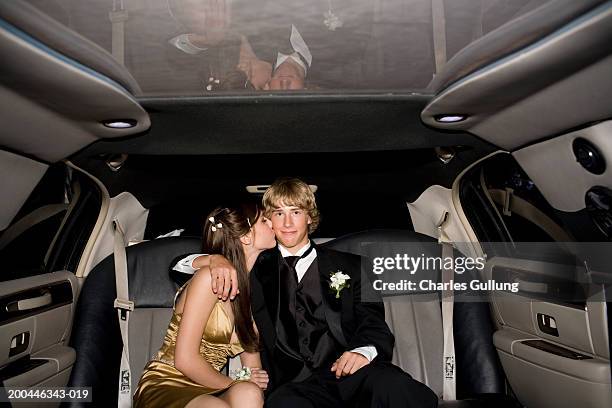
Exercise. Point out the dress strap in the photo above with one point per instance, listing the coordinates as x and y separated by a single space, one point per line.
178 292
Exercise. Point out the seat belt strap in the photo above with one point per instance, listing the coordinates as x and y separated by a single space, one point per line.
514 204
449 371
439 33
118 16
124 306
35 217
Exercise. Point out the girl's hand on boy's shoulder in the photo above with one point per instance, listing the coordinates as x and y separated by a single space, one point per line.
224 277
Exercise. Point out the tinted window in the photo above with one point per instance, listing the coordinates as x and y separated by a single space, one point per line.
504 205
524 211
52 227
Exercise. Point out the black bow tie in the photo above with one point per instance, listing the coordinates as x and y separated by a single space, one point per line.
293 260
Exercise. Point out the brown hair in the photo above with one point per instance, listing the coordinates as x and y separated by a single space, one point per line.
231 223
295 192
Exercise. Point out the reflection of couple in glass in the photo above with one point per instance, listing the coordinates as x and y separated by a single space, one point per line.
290 308
273 45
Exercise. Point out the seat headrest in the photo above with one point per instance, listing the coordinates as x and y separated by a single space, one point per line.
149 282
353 243
388 243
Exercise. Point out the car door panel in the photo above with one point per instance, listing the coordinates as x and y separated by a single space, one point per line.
571 323
551 341
513 310
598 324
35 324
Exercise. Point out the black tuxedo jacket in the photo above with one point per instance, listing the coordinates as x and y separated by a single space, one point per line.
352 322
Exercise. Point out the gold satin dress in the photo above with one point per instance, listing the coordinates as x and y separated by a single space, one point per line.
162 385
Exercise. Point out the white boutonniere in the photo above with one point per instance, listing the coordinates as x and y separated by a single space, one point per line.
244 374
338 281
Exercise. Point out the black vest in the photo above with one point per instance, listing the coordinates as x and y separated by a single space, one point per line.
302 329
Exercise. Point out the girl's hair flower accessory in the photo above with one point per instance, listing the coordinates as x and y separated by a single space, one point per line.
214 226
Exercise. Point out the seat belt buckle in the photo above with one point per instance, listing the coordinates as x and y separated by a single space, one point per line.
124 306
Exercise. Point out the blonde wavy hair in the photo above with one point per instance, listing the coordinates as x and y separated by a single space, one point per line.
290 191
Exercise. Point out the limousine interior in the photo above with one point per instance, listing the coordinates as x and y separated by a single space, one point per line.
489 137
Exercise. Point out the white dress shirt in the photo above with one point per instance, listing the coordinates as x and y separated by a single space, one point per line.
185 265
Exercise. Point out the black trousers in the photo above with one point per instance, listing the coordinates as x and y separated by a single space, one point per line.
377 385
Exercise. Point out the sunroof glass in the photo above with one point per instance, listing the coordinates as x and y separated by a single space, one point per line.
207 47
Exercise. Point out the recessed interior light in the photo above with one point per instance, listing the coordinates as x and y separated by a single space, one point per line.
120 123
450 118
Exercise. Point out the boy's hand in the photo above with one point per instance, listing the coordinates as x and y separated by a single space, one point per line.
348 363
